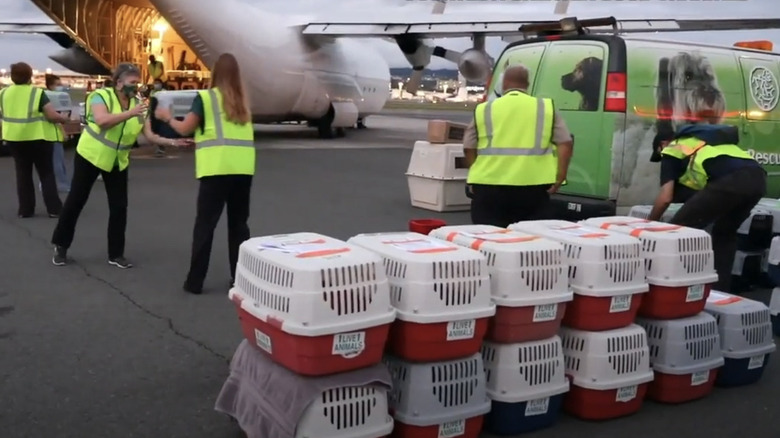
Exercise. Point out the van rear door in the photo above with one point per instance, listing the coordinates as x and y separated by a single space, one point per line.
574 75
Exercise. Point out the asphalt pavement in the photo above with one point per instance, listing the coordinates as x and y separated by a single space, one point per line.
89 350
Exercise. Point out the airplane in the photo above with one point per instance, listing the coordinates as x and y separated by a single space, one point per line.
297 69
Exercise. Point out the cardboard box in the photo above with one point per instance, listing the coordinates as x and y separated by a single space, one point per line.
443 131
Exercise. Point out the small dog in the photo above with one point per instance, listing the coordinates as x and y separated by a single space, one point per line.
687 87
586 80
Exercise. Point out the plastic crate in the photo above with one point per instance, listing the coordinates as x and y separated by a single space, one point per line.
60 100
606 273
441 399
526 383
746 341
179 101
441 292
610 371
347 412
436 178
323 302
755 232
528 280
685 356
773 261
773 207
774 310
679 263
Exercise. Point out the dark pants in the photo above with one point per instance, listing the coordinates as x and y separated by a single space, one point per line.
214 193
84 176
502 206
725 203
39 154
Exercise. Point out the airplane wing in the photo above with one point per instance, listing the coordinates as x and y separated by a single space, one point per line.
453 26
51 30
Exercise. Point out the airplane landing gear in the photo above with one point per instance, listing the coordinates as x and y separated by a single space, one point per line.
360 124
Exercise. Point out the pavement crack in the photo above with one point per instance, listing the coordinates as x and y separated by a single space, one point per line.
126 296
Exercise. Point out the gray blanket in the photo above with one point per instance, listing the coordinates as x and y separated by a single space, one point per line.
268 400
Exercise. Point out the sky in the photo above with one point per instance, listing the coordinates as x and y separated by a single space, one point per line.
35 49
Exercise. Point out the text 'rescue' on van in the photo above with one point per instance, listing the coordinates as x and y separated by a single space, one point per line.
616 93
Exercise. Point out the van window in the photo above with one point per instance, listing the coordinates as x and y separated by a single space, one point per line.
527 55
573 76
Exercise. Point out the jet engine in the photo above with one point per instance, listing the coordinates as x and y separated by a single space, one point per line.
475 65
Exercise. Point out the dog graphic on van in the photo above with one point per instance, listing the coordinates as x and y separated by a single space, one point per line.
586 80
687 85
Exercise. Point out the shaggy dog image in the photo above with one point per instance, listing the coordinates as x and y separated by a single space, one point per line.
586 80
686 86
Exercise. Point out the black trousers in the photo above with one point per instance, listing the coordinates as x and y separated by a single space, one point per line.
502 206
39 154
215 192
84 176
725 203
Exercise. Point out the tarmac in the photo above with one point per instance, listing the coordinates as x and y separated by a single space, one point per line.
89 350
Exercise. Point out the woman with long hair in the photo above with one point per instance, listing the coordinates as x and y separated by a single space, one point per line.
115 119
224 164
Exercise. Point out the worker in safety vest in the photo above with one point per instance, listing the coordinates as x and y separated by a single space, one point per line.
224 164
510 149
727 182
26 110
115 119
156 69
55 133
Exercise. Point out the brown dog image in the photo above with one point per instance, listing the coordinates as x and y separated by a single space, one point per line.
586 80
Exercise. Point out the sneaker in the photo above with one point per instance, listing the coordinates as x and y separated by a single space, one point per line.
60 257
54 215
120 262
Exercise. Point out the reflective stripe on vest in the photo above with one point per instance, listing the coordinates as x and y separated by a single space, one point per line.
222 147
22 121
514 142
220 139
106 147
537 149
695 176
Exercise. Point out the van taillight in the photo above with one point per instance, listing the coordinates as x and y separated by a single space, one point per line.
487 87
615 97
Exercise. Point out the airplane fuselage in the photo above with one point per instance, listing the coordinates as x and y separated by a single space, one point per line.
287 77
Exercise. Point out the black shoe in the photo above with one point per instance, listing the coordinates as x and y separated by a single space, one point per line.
120 262
25 216
54 215
193 290
60 257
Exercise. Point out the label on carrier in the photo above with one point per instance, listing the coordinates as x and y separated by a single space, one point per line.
545 312
537 407
349 344
620 303
263 341
578 231
311 248
422 246
700 378
756 362
695 293
459 330
626 394
452 429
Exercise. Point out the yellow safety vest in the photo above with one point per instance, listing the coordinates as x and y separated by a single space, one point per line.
22 119
53 132
106 148
223 147
695 177
156 70
514 142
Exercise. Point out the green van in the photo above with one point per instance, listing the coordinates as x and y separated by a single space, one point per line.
616 93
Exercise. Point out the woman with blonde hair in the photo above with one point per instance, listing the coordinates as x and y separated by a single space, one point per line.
224 164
